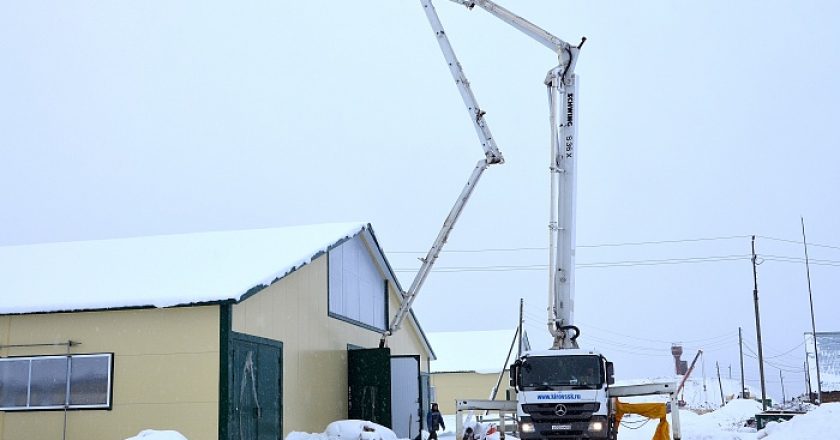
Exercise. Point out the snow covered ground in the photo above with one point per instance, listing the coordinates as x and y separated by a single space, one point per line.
151 434
726 423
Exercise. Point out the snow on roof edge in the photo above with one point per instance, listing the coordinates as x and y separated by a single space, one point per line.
279 275
81 304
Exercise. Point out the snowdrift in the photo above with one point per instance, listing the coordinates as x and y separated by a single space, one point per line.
821 423
151 434
348 430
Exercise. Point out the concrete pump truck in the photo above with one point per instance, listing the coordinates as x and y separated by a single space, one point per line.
563 392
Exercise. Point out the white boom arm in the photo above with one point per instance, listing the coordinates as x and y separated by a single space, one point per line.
562 97
492 155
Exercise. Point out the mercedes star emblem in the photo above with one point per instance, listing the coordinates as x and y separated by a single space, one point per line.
560 409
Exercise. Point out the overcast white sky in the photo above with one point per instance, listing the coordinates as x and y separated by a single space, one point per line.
698 120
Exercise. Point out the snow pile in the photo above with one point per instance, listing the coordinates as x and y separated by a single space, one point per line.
733 416
700 393
348 430
693 427
479 430
726 423
820 423
151 434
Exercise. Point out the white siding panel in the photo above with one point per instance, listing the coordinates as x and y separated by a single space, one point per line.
357 288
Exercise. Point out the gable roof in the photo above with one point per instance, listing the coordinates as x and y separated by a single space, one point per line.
170 270
158 271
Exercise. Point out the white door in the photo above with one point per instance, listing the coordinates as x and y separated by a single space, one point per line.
405 396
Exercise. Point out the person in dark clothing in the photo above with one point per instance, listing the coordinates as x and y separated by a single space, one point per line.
434 420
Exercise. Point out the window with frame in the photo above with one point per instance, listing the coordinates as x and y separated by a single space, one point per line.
357 288
78 381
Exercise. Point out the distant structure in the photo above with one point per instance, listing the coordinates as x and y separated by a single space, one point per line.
680 366
828 347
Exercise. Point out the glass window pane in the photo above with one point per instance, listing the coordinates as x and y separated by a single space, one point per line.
14 378
49 382
89 380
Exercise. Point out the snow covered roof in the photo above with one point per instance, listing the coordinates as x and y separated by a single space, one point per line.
828 346
159 271
478 351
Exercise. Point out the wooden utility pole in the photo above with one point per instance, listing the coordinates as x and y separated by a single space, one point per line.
521 319
808 381
758 330
813 326
782 379
743 392
720 384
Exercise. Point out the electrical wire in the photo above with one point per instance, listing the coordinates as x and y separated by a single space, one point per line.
785 368
800 261
789 351
711 342
714 343
642 243
797 242
599 245
472 251
753 351
693 341
611 346
624 263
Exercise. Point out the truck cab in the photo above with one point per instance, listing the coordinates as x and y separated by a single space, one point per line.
563 394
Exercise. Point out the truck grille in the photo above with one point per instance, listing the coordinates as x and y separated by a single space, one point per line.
575 421
546 412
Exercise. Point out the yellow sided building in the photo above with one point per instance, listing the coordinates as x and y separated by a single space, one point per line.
469 366
224 335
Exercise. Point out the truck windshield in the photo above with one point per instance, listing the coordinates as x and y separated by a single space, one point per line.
548 372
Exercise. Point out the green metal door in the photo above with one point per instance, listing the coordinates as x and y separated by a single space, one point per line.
369 382
257 376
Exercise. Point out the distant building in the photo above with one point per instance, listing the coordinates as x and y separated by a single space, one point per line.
828 350
680 366
468 365
223 335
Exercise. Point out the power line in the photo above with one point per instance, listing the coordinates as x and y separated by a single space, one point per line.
711 343
471 251
789 351
802 260
624 263
752 350
621 244
658 350
693 341
785 368
661 347
798 242
588 246
642 243
628 263
665 261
